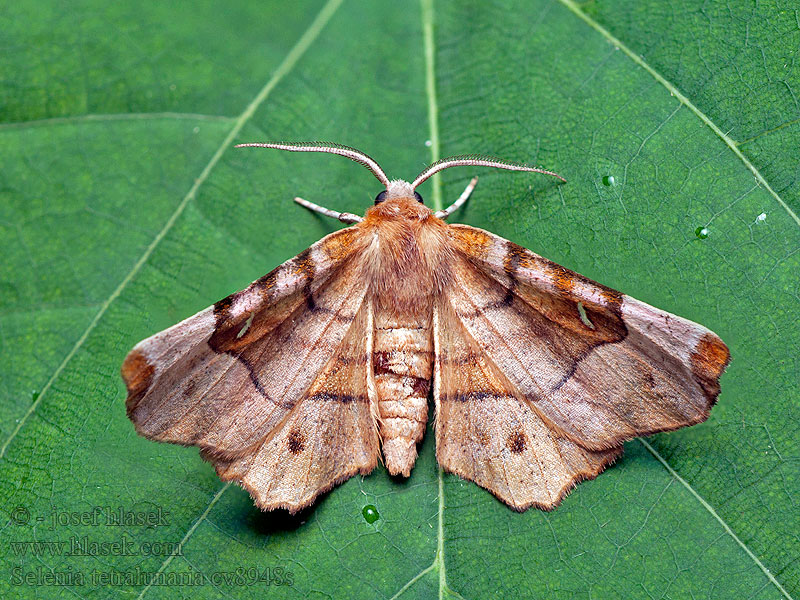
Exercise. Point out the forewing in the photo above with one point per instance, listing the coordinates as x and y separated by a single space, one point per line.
229 377
487 433
596 365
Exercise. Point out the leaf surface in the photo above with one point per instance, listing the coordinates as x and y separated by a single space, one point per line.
124 208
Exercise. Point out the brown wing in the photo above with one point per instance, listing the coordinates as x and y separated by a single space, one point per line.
597 366
273 364
329 435
487 433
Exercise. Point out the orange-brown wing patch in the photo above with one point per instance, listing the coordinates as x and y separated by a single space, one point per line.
487 433
598 366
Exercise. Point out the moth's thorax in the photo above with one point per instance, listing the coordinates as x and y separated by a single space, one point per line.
408 254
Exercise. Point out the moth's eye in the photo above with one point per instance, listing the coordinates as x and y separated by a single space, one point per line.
419 198
380 197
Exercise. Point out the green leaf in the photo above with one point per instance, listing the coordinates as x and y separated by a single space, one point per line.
124 208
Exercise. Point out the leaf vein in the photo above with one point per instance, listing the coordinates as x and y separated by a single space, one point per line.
572 6
716 515
291 59
186 537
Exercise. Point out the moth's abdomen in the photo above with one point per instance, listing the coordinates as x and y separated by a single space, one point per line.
402 364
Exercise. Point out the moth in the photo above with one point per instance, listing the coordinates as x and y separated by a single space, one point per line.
300 381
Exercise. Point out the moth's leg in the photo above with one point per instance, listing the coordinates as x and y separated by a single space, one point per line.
443 214
343 217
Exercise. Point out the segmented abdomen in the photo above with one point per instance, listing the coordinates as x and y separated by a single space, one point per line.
402 362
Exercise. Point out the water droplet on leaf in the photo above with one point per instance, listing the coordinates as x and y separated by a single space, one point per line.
608 180
701 232
370 513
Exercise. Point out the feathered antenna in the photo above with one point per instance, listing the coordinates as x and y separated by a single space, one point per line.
476 161
330 148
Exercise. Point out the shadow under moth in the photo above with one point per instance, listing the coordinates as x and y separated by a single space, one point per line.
539 375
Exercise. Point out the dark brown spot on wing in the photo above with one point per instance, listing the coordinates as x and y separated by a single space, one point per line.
474 396
708 361
516 442
137 372
189 388
296 442
343 398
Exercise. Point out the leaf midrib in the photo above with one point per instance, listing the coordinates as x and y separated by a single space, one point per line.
427 10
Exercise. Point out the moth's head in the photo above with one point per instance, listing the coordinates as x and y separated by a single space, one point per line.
398 190
399 202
